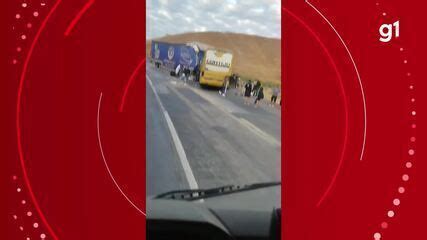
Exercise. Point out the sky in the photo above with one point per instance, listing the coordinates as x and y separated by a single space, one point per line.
255 17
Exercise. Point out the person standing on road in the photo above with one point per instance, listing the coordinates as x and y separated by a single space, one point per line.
186 74
239 82
274 96
224 88
182 74
260 95
248 90
178 70
196 72
256 88
235 80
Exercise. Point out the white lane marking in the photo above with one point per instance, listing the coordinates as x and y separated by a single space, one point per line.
357 73
105 161
252 127
259 132
225 104
177 142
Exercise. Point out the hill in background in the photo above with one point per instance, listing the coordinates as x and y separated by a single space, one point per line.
255 57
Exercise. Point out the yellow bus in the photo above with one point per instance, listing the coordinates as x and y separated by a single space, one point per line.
215 67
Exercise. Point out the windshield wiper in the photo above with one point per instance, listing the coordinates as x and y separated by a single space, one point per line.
195 194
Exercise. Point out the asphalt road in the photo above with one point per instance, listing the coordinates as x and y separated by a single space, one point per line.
223 140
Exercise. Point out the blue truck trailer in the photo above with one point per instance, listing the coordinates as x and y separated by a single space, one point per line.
170 55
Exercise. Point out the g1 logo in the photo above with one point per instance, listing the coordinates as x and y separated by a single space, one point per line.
388 30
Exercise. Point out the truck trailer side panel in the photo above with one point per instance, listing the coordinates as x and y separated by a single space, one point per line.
171 55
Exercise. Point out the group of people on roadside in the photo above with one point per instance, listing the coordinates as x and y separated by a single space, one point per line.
185 74
257 90
232 81
250 90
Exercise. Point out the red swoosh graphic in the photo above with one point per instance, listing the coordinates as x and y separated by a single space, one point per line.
130 81
77 17
344 96
18 119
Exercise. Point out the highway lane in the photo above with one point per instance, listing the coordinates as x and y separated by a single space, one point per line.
225 141
164 171
266 117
